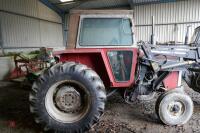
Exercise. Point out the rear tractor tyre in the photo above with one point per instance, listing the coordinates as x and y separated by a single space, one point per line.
67 97
174 108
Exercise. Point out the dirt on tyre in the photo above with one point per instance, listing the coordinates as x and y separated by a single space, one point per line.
68 97
174 108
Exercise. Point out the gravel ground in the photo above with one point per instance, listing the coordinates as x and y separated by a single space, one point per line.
119 117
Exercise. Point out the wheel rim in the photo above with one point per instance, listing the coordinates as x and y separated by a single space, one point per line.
67 101
176 109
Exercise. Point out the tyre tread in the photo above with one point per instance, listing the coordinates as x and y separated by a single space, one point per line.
65 68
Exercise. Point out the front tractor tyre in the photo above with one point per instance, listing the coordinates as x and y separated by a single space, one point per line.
174 108
68 97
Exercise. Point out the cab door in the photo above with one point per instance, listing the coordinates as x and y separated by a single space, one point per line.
122 65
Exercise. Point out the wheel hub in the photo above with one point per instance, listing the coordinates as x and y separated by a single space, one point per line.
67 99
176 108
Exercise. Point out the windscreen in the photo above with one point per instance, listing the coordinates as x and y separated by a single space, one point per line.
106 32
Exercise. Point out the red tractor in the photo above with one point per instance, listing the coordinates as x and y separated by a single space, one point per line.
102 55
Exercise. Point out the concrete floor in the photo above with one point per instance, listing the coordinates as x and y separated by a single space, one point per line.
14 110
118 117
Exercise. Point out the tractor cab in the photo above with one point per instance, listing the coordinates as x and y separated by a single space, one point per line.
109 33
101 29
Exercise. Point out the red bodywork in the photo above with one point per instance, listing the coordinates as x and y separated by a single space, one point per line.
97 59
171 81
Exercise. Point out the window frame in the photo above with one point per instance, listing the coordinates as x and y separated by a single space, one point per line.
122 81
82 17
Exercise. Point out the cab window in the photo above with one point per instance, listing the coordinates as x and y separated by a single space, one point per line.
105 32
121 64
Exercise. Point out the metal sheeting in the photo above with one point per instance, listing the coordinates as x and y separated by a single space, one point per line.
32 8
165 33
51 34
143 1
91 4
104 4
171 20
88 4
30 29
26 7
19 31
46 13
183 11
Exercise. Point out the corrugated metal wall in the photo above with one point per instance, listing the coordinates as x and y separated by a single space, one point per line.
29 23
171 20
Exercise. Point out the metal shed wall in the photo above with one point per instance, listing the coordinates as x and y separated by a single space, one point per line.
29 24
171 20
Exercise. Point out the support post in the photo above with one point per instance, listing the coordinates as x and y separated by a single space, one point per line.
1 40
62 14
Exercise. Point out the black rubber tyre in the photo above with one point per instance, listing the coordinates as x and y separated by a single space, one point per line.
174 108
159 100
163 95
74 74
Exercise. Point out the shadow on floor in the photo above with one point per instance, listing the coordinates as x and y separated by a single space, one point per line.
14 109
